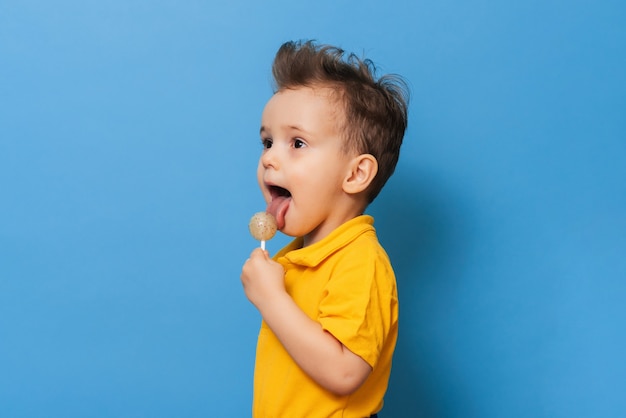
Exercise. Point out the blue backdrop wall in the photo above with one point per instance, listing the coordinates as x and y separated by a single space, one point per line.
128 148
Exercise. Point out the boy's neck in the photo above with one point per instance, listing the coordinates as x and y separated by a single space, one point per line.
321 232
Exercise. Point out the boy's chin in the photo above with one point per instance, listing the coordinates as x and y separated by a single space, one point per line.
292 232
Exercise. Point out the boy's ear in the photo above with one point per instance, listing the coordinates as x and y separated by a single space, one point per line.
363 169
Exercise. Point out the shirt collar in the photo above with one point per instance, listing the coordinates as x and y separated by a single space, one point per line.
314 254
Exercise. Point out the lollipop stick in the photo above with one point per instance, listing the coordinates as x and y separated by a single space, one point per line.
263 245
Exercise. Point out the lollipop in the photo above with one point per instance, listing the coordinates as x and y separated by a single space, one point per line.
262 227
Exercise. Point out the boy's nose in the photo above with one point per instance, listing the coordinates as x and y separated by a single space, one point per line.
269 159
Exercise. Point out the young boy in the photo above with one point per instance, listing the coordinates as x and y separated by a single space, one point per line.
331 137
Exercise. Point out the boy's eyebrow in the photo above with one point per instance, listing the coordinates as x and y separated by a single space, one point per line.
293 127
297 128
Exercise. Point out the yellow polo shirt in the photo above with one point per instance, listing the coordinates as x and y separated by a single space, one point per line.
346 283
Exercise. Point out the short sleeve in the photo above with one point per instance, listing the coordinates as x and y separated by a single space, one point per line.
359 303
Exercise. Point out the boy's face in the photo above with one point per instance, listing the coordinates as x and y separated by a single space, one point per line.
303 164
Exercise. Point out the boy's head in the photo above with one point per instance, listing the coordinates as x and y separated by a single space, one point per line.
375 110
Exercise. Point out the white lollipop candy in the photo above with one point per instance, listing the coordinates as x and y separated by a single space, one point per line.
263 227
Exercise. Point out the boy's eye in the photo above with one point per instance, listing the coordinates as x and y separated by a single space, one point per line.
267 143
298 143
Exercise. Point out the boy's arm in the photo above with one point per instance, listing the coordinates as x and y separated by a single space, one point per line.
316 351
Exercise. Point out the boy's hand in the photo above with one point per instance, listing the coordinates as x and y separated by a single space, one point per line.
262 278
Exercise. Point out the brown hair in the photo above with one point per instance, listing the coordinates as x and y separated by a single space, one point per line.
376 110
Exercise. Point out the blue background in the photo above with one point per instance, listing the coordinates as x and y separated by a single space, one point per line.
128 149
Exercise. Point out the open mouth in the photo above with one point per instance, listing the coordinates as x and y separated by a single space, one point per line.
281 198
277 191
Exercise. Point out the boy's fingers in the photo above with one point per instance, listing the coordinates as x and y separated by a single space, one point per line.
258 252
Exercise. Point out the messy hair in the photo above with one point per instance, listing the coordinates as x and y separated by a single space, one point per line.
376 109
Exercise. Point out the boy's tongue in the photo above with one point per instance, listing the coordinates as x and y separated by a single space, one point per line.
277 207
